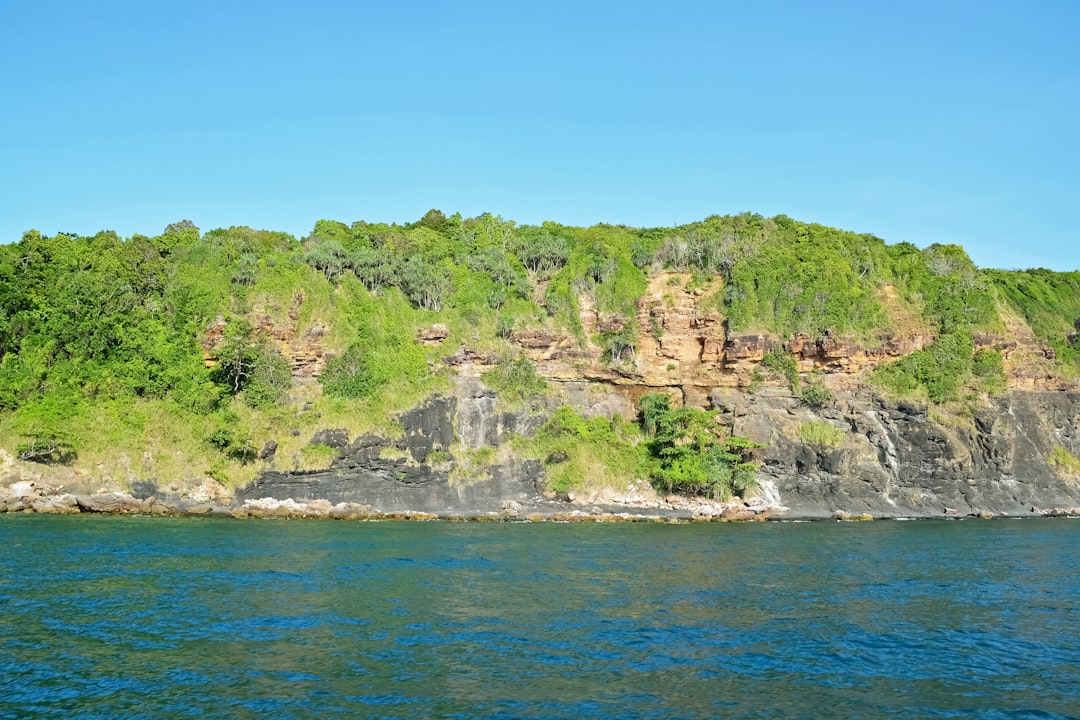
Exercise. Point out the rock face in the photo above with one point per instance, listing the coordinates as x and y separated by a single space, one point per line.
414 473
882 458
893 459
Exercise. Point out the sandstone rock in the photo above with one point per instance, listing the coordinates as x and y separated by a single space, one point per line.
468 356
433 335
209 491
737 512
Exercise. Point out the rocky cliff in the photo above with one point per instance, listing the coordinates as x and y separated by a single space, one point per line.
884 458
859 453
894 459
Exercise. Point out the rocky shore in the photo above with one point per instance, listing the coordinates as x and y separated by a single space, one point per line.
28 497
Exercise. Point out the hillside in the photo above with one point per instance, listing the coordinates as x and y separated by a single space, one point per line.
195 359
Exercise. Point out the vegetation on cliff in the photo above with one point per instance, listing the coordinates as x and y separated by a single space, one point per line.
187 353
681 450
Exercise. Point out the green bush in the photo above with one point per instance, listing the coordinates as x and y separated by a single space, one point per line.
815 395
578 452
515 378
988 369
348 375
783 363
317 457
938 370
692 453
820 433
47 448
1063 462
620 345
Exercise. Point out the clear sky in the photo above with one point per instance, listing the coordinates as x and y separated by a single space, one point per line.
944 121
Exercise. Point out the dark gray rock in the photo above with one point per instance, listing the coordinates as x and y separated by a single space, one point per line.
897 461
429 427
360 475
269 450
894 459
336 438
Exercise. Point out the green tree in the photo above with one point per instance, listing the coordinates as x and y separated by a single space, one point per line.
694 453
330 258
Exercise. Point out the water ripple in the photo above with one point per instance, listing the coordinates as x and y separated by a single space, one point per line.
130 617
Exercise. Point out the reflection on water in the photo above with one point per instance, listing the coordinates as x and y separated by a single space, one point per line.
114 617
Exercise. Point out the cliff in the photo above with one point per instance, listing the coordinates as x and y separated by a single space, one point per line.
394 369
884 457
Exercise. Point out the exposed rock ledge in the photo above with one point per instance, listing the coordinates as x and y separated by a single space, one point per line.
27 497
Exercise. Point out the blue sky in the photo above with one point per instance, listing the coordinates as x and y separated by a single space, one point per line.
916 121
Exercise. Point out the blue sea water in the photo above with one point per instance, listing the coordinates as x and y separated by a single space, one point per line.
127 617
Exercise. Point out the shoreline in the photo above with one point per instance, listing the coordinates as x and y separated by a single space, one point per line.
30 500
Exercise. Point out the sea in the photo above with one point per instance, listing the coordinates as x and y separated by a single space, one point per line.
133 617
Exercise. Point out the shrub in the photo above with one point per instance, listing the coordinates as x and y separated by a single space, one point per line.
783 363
46 448
348 375
329 258
424 282
820 433
989 370
620 345
515 378
541 253
317 457
271 378
1063 462
939 369
692 453
578 451
45 427
815 395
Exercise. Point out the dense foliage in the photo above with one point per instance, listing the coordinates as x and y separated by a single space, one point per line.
1047 301
682 450
692 453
